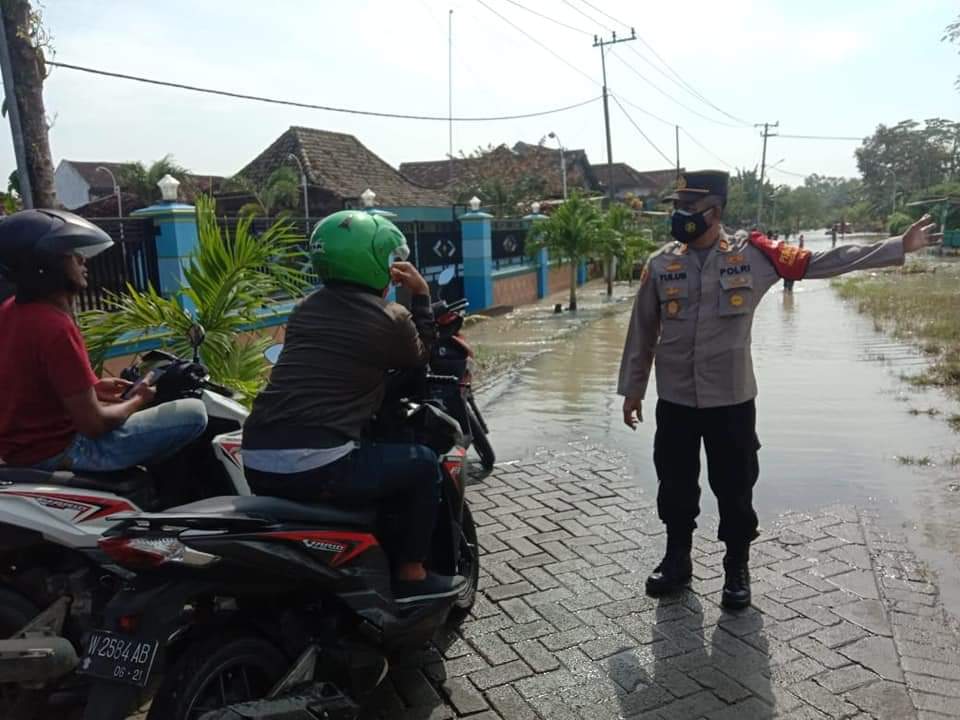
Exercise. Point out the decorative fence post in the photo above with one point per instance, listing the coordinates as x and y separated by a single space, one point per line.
175 225
475 228
542 257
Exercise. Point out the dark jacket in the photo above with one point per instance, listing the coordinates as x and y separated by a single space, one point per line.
330 378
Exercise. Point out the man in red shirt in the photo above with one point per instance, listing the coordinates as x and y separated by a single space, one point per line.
54 411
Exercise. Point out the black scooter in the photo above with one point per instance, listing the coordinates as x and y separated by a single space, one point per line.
453 355
256 607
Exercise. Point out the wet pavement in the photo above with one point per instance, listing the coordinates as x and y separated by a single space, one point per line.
844 623
834 415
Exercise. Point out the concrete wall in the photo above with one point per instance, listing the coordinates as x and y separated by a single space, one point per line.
515 289
71 189
559 278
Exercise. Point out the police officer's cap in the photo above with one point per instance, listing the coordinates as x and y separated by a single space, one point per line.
701 182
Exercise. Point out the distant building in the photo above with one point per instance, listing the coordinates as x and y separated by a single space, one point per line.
338 168
526 160
79 183
642 184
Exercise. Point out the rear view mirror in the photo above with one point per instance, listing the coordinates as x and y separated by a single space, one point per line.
196 334
272 353
446 276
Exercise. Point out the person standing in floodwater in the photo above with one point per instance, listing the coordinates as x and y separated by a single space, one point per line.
694 313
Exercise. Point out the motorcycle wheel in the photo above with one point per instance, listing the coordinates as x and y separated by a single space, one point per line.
15 612
218 672
469 568
480 441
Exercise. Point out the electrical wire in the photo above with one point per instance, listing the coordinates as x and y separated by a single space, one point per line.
820 137
667 95
679 78
534 40
640 130
705 148
646 112
788 172
311 106
550 19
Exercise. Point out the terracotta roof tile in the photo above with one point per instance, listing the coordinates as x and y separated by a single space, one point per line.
342 165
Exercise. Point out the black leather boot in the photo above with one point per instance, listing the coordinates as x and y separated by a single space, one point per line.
736 582
674 572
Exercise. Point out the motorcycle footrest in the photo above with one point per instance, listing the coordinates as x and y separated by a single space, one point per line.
307 702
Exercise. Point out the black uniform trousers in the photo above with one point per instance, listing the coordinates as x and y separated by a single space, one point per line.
729 435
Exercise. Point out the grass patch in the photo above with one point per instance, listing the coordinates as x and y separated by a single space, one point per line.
917 303
954 422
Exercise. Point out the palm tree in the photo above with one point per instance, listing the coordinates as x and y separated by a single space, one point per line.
281 190
228 281
571 233
141 181
620 239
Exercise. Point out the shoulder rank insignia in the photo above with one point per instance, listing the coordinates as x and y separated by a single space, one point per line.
789 260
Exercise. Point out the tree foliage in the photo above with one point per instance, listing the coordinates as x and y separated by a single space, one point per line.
280 191
229 279
570 233
952 34
140 180
911 154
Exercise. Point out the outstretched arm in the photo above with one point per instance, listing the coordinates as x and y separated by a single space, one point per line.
848 258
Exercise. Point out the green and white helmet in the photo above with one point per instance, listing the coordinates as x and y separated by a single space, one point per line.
357 247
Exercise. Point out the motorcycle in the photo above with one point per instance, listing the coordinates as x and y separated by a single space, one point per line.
54 579
453 355
257 607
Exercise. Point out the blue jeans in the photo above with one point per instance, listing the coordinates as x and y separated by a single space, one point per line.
147 436
404 478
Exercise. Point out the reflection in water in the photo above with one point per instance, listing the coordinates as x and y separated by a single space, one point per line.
833 414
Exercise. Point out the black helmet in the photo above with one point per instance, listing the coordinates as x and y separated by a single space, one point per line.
34 242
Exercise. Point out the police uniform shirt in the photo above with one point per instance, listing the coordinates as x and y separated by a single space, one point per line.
696 320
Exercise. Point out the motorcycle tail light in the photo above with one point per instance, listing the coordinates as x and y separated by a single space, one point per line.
139 553
129 623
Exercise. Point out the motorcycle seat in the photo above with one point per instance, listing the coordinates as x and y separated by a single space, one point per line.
126 483
279 510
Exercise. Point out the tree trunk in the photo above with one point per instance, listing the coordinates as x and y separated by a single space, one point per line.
609 274
26 62
573 284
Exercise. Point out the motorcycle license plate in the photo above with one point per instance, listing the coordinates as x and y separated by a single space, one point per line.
123 658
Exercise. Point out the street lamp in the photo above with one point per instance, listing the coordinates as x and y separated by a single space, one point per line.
303 181
563 163
368 197
116 188
474 204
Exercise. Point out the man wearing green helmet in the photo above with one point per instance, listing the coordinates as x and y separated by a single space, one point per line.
302 440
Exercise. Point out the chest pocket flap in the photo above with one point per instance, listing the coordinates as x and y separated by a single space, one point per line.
736 296
674 298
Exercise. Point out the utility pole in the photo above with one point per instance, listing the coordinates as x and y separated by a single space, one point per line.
450 89
22 65
601 43
763 165
13 108
677 128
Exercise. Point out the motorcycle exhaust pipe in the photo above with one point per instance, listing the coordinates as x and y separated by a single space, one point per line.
37 660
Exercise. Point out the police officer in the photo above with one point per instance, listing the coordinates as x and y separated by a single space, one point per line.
693 313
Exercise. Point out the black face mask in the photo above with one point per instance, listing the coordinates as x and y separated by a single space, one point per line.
687 226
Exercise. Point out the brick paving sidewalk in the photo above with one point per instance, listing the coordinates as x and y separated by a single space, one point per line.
845 622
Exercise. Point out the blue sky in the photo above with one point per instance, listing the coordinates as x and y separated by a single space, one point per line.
819 67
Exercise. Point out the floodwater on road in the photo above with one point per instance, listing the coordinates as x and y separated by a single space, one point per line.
834 414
